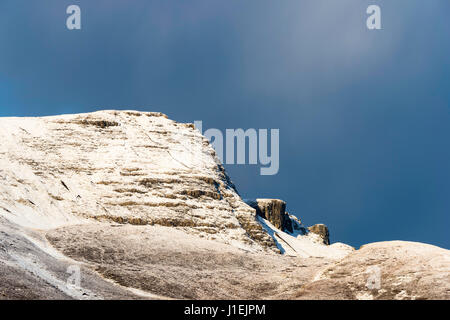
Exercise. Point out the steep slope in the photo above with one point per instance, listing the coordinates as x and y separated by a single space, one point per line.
123 166
30 268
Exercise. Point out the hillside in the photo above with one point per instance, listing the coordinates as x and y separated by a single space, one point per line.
143 205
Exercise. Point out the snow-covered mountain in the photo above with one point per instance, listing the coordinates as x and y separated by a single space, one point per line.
123 166
142 205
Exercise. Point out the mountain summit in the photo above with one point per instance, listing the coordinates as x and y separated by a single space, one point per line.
121 166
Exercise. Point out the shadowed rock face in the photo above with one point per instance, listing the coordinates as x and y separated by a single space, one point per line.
273 210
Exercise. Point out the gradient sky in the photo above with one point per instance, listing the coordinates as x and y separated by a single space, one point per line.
364 116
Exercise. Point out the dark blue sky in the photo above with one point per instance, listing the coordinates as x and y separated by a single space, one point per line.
364 116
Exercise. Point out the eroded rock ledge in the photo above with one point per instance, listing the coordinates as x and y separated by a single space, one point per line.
322 231
274 211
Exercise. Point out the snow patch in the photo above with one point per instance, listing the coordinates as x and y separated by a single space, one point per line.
304 246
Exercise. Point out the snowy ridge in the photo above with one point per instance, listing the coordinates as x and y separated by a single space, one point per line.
304 245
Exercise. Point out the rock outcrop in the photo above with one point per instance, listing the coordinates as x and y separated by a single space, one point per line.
322 231
273 210
297 226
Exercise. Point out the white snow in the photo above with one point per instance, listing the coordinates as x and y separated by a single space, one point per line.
33 266
304 246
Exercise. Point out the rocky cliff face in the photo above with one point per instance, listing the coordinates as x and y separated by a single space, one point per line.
273 210
322 231
120 166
